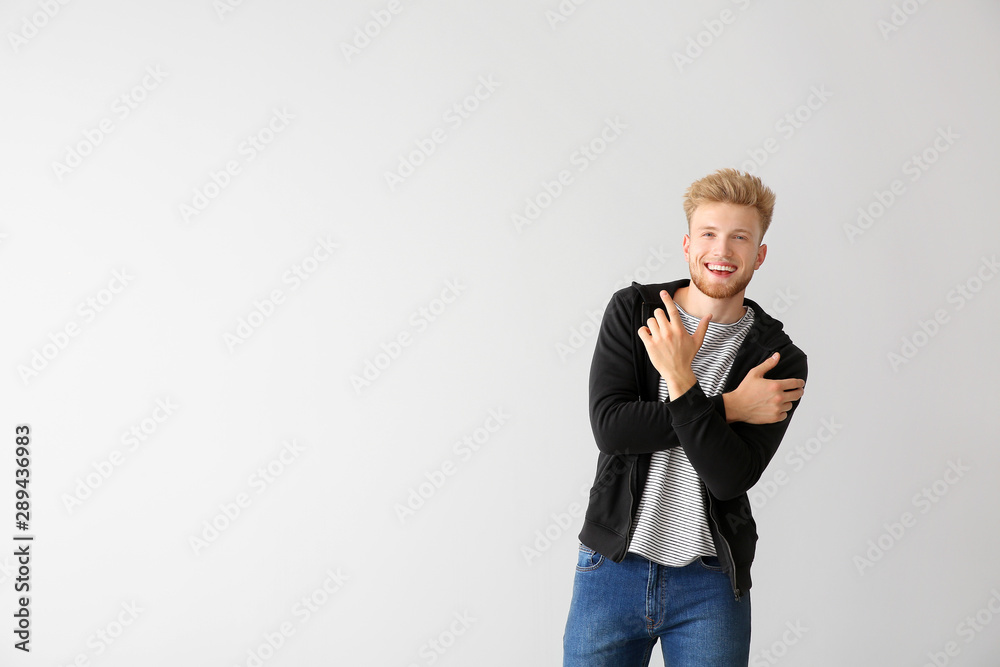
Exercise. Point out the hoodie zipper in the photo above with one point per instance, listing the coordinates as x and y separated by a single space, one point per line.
729 553
631 503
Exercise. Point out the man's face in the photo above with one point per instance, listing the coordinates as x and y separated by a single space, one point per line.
722 248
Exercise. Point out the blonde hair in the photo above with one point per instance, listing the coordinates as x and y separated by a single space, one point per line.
732 187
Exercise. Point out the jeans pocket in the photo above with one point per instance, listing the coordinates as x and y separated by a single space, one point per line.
587 559
711 563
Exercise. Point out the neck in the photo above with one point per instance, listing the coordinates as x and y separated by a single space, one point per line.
699 304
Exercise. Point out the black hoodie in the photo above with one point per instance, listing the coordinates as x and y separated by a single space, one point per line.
630 423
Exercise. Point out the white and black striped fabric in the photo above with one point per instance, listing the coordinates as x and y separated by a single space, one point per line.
671 527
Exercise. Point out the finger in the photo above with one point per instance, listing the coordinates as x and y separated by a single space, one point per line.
793 395
661 319
766 365
671 308
790 383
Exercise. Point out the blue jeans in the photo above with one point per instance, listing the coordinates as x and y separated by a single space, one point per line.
619 610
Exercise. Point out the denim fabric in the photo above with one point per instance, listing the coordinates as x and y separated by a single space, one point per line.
620 610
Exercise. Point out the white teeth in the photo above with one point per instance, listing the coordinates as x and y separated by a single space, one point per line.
719 267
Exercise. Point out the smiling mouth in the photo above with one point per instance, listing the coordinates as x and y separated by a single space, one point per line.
720 269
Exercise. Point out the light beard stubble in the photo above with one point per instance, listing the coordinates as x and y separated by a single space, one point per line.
718 291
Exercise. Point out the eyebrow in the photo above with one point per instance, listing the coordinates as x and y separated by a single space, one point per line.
713 228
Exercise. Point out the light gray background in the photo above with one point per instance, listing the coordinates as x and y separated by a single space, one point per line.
518 337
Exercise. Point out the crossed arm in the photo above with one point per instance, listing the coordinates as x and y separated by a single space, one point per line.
728 438
757 400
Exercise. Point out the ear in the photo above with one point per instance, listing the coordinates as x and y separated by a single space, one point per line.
761 254
686 244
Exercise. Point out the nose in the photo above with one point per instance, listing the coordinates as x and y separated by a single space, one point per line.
721 247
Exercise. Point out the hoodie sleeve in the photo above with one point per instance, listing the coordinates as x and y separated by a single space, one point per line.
730 458
622 423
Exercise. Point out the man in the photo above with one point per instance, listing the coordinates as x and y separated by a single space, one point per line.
686 422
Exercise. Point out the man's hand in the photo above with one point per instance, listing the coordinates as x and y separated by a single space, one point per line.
761 401
671 348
